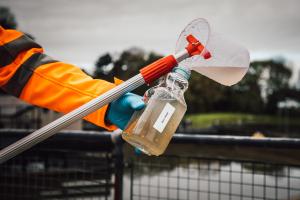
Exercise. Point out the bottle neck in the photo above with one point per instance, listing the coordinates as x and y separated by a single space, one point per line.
176 83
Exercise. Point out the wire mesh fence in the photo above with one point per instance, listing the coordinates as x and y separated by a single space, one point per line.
89 165
175 177
70 166
56 175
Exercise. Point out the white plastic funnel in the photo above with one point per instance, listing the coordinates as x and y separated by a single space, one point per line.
229 61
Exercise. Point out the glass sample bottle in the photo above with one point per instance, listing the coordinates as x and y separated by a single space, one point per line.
152 128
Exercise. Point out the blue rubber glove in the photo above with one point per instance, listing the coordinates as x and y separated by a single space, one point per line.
121 110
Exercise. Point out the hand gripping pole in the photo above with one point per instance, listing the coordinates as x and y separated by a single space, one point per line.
146 75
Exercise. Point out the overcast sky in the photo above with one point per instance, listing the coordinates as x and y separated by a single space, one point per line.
78 31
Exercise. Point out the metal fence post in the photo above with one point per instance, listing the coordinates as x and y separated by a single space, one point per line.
131 178
119 166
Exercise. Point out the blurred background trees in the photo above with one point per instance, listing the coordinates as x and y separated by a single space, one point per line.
266 84
124 66
266 89
7 18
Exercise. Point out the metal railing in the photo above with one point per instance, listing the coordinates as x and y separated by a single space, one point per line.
73 165
229 167
92 165
175 177
21 117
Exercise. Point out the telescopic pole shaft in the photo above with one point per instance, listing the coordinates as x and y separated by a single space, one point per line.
66 120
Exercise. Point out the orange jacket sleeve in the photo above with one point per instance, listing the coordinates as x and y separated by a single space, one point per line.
27 73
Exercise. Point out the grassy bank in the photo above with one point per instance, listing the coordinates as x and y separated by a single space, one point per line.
208 119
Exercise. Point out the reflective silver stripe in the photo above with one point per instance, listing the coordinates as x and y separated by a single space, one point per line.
16 84
10 51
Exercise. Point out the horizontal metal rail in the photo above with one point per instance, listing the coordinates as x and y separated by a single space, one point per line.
74 140
271 142
179 138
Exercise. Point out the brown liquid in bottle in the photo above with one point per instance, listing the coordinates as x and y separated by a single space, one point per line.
152 129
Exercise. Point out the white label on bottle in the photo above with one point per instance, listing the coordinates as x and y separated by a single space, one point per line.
164 117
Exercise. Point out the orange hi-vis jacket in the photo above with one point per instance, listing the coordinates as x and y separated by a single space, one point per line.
29 74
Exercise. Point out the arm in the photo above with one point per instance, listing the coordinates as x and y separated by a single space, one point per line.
27 73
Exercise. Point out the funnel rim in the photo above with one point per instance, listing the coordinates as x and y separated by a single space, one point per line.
197 19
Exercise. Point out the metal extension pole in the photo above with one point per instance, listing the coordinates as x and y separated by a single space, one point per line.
66 120
90 107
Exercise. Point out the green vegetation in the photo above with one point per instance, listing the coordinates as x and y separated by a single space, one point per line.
265 86
208 119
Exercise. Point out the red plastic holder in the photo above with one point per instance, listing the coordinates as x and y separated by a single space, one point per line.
164 65
159 68
196 48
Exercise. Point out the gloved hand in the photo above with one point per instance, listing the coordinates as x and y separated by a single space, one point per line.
121 110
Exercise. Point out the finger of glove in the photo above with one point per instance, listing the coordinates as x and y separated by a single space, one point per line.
135 101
